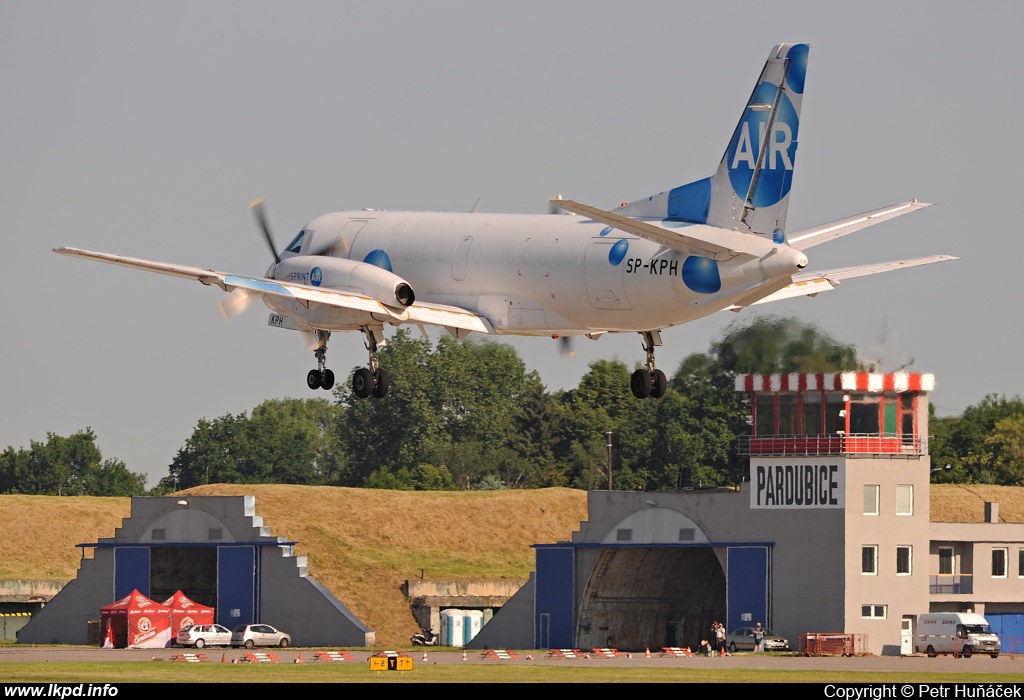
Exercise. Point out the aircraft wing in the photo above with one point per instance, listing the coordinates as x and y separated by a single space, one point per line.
813 283
423 313
719 245
810 237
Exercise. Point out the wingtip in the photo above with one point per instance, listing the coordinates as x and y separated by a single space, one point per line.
256 202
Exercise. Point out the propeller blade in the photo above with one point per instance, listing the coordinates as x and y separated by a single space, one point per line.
235 303
565 346
261 218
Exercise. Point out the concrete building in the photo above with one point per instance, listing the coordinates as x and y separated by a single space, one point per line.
829 533
217 551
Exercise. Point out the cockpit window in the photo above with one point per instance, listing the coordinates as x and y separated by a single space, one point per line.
296 243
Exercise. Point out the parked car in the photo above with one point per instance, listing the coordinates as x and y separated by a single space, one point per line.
250 636
743 639
200 636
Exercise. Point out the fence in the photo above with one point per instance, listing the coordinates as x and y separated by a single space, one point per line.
833 644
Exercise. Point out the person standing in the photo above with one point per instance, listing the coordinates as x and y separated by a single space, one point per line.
759 637
719 631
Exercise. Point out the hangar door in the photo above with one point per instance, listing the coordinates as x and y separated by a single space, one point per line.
237 596
639 597
748 587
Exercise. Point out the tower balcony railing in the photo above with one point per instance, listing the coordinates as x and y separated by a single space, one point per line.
833 444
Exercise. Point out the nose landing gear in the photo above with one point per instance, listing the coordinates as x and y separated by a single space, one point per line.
372 380
649 382
321 377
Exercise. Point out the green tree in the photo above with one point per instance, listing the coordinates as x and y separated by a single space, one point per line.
778 344
285 441
979 444
66 466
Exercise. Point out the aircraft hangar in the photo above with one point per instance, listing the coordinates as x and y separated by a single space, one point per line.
214 549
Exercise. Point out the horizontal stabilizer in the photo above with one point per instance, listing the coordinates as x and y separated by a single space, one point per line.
715 243
810 237
812 283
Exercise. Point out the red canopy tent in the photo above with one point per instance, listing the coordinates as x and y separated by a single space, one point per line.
136 622
185 612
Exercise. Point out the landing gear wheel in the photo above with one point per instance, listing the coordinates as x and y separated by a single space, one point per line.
327 380
380 386
313 379
659 384
640 384
362 382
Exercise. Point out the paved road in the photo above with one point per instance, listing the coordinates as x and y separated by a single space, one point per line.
916 664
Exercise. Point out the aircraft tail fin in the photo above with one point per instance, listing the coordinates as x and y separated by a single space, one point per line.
750 190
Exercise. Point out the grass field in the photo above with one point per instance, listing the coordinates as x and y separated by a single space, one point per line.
141 672
363 543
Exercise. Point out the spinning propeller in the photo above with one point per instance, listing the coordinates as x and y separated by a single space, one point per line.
236 302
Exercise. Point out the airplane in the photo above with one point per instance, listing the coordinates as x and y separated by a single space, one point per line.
659 261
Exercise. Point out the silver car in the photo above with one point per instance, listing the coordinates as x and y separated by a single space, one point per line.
259 635
743 639
200 636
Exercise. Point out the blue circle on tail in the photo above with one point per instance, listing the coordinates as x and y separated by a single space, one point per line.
701 274
776 175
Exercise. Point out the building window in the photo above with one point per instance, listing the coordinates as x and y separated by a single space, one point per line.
904 555
945 561
904 499
216 533
873 611
687 534
869 559
870 499
159 533
1020 563
624 534
999 562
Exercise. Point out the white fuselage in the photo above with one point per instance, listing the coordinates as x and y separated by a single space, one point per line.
527 274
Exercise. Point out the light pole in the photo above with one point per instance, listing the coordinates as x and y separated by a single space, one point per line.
609 434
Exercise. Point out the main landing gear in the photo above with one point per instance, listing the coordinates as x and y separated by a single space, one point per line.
321 377
649 382
367 381
372 380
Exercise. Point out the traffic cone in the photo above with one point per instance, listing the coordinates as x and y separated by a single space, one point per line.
424 655
647 654
299 660
153 657
224 658
463 654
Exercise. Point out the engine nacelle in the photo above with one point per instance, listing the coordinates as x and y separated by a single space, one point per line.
347 275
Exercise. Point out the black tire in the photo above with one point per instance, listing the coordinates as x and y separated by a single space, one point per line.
380 387
931 652
283 643
362 382
327 380
200 643
640 384
249 644
313 379
966 652
659 384
994 656
732 647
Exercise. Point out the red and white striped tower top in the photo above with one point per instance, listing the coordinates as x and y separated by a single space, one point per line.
898 382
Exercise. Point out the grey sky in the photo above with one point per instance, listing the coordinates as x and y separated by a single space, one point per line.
146 129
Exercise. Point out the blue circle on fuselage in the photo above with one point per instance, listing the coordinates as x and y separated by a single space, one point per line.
379 258
701 274
316 276
605 231
618 252
776 174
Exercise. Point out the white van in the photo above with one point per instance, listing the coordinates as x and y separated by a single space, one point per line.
955 633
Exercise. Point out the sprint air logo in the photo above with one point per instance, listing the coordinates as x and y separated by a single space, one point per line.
314 277
745 151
